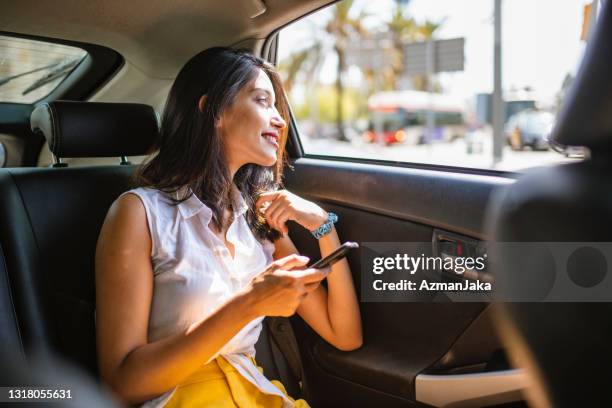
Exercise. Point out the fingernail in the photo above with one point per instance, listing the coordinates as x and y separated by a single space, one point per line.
303 258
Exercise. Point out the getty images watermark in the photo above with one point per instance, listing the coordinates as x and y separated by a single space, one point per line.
489 272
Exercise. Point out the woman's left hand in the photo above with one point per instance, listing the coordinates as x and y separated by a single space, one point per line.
280 206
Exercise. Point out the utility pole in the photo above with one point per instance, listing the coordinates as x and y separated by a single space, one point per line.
497 102
592 18
430 119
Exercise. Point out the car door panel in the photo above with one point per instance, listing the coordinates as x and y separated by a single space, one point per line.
378 203
443 199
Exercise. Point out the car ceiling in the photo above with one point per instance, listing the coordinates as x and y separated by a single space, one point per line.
156 37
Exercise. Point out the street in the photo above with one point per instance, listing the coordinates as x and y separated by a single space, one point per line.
450 154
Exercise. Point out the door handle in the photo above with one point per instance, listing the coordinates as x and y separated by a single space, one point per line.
469 273
448 245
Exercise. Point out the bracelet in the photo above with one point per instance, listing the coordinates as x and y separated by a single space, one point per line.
326 227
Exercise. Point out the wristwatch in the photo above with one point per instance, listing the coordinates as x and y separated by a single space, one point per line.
326 227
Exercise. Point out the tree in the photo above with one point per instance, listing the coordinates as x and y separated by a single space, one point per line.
403 29
305 60
343 28
308 61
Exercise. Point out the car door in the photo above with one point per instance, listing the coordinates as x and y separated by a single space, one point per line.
403 341
440 353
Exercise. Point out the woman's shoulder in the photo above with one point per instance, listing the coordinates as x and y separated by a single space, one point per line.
127 213
148 192
155 203
148 195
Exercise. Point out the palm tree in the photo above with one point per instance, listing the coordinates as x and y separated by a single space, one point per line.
402 29
405 29
291 66
343 29
304 60
425 32
308 61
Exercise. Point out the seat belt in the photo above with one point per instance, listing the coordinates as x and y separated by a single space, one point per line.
283 336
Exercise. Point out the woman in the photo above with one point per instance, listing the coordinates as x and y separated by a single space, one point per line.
189 263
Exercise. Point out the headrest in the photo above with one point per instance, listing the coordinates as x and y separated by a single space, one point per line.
93 129
586 117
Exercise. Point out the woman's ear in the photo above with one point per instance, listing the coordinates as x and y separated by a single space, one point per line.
201 103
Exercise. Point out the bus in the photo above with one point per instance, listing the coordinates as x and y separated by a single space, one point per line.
401 117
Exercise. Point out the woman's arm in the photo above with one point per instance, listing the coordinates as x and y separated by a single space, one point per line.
138 370
333 312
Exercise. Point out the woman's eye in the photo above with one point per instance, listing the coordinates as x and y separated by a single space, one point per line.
263 100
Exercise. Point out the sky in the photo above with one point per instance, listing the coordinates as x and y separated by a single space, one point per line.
540 41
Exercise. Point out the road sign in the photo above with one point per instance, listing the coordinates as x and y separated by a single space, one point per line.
448 55
375 53
370 53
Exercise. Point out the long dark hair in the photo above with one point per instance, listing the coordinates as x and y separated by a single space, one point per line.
190 149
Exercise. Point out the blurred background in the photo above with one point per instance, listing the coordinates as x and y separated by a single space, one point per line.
415 80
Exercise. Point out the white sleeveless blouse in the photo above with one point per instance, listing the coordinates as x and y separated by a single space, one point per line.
194 273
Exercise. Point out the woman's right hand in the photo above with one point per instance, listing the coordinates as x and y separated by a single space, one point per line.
279 290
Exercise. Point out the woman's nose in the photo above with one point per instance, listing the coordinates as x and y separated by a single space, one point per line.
277 120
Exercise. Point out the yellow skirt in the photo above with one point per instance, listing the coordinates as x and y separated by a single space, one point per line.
218 384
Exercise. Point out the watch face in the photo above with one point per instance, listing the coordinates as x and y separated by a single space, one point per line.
2 155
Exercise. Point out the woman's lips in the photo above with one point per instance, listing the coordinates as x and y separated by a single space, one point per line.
271 138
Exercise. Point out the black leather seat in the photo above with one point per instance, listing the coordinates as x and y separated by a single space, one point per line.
566 346
52 218
10 337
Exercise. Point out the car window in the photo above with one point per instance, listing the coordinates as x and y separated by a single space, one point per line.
30 70
413 81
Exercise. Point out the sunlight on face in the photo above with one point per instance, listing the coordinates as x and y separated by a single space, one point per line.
251 127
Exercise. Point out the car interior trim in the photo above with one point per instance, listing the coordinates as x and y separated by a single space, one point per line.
469 390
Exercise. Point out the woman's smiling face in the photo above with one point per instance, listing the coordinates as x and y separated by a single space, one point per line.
251 127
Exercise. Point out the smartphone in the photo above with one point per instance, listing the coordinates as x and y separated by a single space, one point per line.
335 256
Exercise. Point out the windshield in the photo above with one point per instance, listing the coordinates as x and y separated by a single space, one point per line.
30 70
